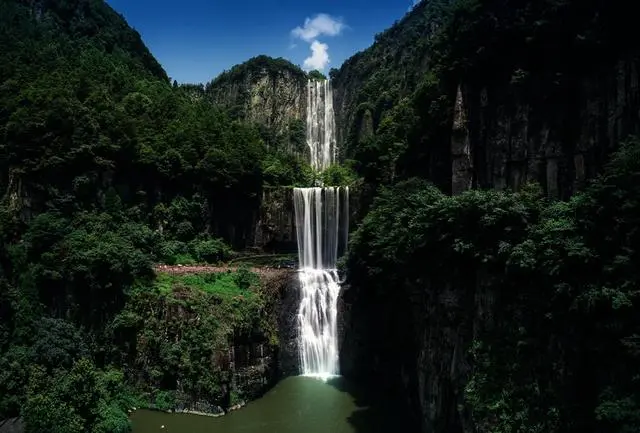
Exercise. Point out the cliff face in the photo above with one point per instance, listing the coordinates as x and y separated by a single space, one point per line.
242 358
272 94
495 115
503 111
504 138
275 227
266 91
371 81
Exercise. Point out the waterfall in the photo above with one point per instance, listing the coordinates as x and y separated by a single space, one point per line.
321 125
322 222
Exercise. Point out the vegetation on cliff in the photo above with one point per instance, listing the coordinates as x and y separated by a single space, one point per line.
269 93
540 296
178 339
106 169
93 126
539 63
255 67
553 346
316 75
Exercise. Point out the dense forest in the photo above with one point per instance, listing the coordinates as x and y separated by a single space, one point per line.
541 295
493 310
106 169
509 311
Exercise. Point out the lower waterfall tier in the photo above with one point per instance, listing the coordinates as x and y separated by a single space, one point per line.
321 228
317 320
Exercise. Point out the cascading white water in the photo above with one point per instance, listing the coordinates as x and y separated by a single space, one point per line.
322 221
321 134
321 227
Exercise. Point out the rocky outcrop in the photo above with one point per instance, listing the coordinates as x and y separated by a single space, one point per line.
288 305
461 164
12 425
275 227
266 91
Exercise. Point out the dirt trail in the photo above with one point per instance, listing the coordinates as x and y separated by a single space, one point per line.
203 269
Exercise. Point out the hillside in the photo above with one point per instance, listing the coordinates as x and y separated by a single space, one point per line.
91 22
267 92
496 94
106 169
484 309
88 112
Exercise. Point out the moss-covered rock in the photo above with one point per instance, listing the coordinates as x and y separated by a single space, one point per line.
194 341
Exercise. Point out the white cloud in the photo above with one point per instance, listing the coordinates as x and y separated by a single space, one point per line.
319 57
313 28
321 24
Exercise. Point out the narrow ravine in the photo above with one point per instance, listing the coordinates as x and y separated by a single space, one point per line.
303 403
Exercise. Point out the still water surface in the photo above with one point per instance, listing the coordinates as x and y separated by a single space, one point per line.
295 405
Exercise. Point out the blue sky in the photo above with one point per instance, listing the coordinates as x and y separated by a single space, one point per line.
195 40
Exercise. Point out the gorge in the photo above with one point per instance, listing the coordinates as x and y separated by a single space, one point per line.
445 229
322 225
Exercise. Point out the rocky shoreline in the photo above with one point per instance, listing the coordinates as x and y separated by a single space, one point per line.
219 412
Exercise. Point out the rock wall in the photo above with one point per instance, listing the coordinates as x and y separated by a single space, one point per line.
12 425
288 356
504 137
257 366
275 224
499 139
378 342
557 126
244 356
553 116
268 92
269 99
414 341
367 82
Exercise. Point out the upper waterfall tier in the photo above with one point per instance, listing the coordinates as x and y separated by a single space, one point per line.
322 223
321 125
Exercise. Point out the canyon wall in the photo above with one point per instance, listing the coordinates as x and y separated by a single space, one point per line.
505 136
496 116
509 115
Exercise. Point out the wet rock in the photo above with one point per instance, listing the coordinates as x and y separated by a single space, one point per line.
12 425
